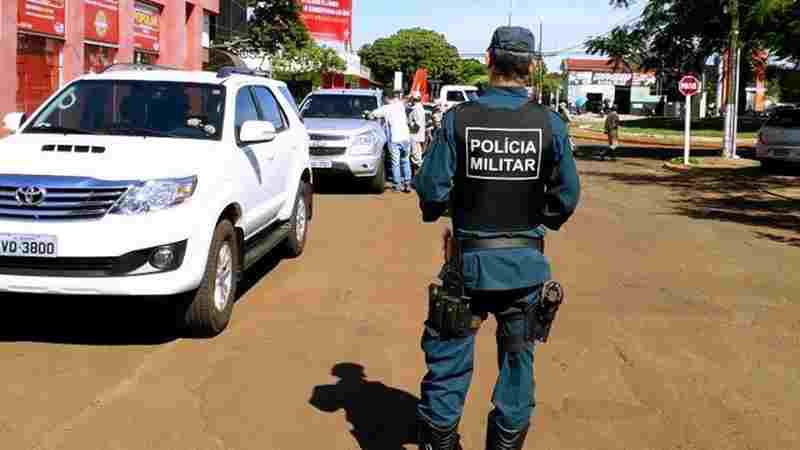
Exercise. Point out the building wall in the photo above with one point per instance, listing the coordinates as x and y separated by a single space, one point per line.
180 42
8 53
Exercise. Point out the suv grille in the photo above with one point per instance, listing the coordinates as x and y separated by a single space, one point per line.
327 151
327 137
56 201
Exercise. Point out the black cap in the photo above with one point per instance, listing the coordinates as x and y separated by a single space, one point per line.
513 39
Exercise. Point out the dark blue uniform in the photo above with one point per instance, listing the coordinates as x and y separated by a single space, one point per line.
500 281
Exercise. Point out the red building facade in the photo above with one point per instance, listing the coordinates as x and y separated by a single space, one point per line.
52 42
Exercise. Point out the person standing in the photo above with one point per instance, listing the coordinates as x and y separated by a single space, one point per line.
400 141
612 130
418 128
503 168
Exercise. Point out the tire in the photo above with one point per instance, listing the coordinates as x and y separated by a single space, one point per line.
298 229
377 184
209 310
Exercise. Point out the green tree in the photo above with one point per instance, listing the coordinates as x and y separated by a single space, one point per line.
409 50
680 35
311 58
675 37
473 72
274 26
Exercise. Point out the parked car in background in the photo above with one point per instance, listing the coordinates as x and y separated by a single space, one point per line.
343 140
451 95
779 139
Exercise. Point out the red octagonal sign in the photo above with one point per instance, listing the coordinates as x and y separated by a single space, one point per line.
689 85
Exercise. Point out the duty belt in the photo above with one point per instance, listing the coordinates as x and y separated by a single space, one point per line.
496 243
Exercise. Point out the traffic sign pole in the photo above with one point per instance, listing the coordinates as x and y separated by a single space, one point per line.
688 86
687 131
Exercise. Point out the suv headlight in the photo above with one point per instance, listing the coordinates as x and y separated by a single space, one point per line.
156 195
363 144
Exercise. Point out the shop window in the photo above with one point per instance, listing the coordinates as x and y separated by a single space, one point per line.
144 58
97 58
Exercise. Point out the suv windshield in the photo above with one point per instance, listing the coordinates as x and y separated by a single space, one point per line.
472 95
785 119
135 108
339 106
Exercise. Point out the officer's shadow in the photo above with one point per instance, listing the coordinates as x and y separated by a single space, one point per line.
383 418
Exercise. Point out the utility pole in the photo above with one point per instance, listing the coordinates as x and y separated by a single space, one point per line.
731 108
542 69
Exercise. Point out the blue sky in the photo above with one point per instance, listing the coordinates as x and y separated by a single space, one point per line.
468 24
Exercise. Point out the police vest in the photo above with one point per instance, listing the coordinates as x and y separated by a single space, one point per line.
504 158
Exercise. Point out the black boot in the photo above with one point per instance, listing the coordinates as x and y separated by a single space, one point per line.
430 437
500 439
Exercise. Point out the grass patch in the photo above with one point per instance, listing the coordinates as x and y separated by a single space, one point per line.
669 126
679 160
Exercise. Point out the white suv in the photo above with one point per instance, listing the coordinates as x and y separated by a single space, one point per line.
154 183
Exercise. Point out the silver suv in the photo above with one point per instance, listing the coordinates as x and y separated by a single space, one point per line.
343 141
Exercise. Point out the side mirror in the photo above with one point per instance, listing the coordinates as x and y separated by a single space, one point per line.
255 131
13 121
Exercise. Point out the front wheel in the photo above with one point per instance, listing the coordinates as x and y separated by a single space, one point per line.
209 309
298 224
377 184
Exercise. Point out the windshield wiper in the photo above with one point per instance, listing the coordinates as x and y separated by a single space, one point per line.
58 130
138 131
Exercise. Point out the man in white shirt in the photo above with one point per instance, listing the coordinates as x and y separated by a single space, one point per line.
418 135
400 146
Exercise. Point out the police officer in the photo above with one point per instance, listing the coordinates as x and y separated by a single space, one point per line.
504 169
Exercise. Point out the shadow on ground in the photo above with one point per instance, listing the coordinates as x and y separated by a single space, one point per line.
383 418
340 185
85 320
737 195
103 320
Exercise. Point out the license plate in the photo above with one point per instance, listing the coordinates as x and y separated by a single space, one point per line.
28 245
321 164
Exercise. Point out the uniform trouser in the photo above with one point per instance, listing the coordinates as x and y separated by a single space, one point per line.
613 140
450 365
401 167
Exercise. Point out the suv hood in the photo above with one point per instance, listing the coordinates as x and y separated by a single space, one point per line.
347 127
124 158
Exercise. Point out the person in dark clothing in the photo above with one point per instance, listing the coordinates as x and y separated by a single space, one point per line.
504 169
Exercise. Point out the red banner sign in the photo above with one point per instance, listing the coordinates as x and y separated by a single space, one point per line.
328 20
41 16
146 26
101 20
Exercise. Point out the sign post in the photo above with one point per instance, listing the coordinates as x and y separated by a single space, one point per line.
688 86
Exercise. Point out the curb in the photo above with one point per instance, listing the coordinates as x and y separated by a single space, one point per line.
680 168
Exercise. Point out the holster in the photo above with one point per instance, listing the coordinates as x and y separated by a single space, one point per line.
449 308
541 315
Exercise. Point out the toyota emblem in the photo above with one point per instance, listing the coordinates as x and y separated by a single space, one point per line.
31 195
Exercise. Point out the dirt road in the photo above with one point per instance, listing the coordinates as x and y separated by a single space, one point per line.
682 331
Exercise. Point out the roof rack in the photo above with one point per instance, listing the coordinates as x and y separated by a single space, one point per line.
225 72
133 66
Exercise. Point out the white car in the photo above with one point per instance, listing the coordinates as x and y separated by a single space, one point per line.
451 95
154 183
779 139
